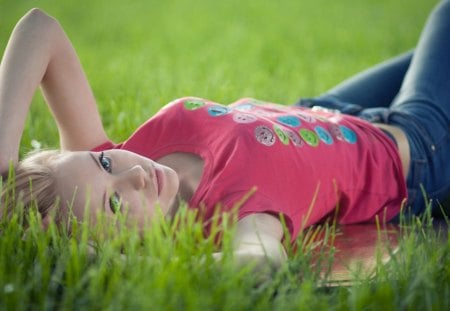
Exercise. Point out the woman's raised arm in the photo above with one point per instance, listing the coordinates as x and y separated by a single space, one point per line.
39 53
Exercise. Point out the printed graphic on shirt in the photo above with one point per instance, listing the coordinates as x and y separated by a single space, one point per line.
348 134
284 138
244 107
217 111
192 104
310 137
324 135
244 118
295 139
265 135
263 113
336 131
321 118
306 117
289 120
281 123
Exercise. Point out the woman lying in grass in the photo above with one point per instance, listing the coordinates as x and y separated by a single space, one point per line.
269 163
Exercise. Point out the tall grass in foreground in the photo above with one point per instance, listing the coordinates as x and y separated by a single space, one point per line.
170 267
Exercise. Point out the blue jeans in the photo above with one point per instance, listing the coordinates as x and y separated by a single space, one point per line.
412 92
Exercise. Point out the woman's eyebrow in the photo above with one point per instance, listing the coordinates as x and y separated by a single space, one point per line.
101 168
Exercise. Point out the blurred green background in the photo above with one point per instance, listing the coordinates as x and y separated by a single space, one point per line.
139 55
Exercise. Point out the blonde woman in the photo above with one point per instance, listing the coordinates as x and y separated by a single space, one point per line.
265 161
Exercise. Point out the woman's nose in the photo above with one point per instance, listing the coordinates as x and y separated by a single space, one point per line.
136 176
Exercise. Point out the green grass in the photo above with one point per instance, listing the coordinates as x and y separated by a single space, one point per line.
138 56
171 268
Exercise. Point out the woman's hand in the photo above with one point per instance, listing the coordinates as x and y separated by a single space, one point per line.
39 53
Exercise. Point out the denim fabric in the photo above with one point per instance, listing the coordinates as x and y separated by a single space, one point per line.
413 92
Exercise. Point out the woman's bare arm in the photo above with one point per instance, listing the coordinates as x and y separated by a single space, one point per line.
257 241
39 53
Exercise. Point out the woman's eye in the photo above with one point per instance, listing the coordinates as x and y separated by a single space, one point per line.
115 203
105 162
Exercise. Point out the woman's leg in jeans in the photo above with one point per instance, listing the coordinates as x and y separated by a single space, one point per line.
422 108
428 77
374 87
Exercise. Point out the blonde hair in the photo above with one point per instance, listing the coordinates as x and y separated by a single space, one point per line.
32 184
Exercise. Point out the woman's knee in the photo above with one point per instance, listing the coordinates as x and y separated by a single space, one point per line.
443 8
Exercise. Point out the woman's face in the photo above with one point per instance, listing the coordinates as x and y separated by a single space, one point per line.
115 181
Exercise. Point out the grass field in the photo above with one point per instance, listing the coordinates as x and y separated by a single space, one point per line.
138 56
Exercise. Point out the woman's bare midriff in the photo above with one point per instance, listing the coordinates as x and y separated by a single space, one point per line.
402 144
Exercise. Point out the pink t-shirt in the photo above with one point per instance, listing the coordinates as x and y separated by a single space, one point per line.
267 158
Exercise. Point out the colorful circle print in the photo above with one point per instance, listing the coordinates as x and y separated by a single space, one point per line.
244 107
217 111
265 135
310 137
324 135
348 134
289 120
284 138
192 104
336 131
306 117
239 117
295 139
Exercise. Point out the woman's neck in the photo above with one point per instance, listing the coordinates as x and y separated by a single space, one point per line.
189 168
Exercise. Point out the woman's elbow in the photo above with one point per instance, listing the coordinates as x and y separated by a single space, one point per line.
37 19
36 14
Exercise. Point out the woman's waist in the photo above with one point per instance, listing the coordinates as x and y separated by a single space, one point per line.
402 144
